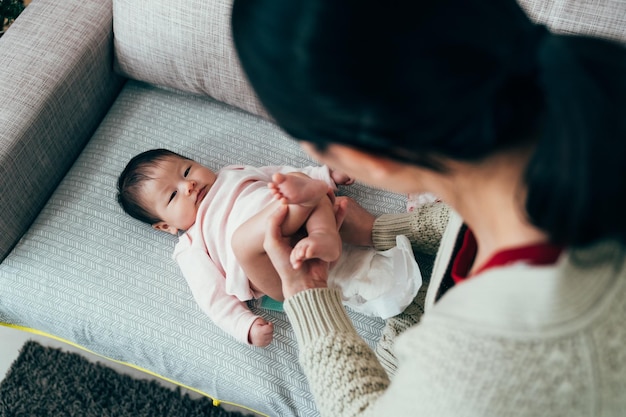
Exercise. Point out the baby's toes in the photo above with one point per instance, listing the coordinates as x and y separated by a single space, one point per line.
298 254
278 178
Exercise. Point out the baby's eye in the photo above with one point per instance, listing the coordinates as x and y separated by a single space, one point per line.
172 196
186 172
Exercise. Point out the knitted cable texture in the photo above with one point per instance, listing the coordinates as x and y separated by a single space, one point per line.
343 372
352 383
493 376
423 227
395 326
519 341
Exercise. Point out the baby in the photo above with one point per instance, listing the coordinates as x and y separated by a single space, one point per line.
220 219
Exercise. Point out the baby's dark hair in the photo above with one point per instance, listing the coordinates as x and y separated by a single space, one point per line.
133 178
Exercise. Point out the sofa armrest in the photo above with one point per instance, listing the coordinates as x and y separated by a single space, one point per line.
56 85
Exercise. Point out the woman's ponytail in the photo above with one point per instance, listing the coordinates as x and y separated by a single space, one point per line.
577 176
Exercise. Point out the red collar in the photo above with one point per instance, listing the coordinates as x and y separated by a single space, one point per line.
537 254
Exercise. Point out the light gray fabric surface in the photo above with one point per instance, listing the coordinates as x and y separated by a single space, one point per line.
89 273
601 18
190 47
56 85
186 46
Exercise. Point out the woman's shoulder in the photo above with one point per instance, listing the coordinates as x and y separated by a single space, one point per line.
520 299
558 331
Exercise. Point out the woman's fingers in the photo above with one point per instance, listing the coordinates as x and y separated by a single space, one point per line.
341 205
312 273
275 244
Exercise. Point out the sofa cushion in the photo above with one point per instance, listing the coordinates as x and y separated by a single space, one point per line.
90 274
601 18
56 86
187 46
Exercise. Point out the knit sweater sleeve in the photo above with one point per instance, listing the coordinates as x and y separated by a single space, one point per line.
424 227
345 377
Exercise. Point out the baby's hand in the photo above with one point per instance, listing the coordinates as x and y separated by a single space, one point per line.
341 178
261 333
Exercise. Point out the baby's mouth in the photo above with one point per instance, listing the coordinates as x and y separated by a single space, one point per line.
200 195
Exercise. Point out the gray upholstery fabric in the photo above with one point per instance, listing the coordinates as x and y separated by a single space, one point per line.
89 273
601 18
196 55
187 47
56 85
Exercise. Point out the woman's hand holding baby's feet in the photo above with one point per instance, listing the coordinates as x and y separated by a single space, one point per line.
261 333
326 247
323 241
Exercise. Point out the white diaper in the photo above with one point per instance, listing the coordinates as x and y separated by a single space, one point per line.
377 283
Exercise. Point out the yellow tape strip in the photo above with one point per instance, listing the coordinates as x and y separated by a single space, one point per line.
216 402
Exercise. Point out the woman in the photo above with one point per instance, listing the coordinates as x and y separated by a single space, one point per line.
521 132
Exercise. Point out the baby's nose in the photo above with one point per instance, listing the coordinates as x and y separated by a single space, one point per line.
191 185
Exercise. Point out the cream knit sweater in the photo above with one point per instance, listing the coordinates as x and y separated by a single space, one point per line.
513 341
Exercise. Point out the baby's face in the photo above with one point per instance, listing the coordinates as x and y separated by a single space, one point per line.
175 193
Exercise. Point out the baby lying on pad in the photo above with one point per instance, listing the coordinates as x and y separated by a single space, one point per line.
220 219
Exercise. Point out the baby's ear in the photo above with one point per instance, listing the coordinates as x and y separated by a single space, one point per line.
164 227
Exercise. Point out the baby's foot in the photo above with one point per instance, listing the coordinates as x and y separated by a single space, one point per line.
324 246
296 189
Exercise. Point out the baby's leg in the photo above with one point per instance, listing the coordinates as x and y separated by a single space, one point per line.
298 188
247 243
323 241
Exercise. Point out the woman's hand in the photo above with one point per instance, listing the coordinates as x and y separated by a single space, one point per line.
341 178
312 274
357 222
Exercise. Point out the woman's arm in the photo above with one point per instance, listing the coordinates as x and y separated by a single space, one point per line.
345 376
424 227
343 372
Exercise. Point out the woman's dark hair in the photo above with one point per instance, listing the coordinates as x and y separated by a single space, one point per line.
456 79
132 179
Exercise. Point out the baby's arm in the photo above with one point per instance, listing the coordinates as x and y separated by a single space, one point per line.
261 333
207 285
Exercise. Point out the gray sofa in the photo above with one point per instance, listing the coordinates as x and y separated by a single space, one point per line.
87 84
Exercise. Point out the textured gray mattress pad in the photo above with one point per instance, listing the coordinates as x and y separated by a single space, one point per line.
88 273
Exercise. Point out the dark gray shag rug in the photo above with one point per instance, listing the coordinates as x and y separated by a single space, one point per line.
49 382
